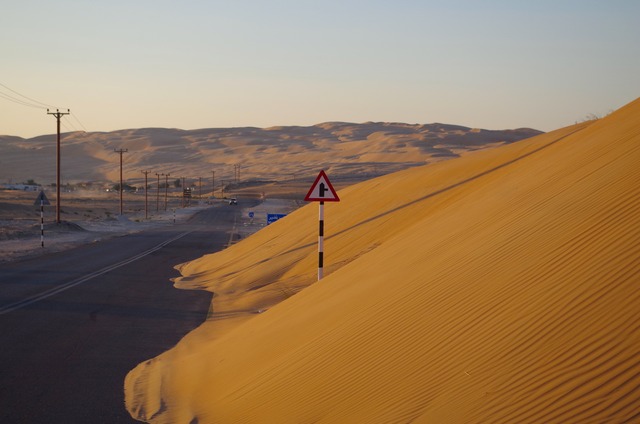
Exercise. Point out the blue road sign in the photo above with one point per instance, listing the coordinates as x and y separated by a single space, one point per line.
251 214
273 217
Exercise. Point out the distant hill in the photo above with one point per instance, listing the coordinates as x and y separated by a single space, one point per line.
276 153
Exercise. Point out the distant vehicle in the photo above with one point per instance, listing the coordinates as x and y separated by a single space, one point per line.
233 201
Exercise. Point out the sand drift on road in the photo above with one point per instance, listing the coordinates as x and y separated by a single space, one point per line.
497 287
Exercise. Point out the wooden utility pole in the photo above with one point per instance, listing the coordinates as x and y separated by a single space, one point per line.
58 115
121 151
158 194
236 173
166 189
199 188
183 192
146 197
213 183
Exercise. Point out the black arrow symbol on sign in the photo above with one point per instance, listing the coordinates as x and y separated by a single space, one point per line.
322 189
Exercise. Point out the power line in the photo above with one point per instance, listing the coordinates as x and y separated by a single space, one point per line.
74 127
18 101
33 102
69 123
78 121
65 127
30 102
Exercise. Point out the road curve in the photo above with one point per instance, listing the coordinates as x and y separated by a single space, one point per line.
73 323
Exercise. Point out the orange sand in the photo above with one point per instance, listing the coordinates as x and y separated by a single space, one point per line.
498 287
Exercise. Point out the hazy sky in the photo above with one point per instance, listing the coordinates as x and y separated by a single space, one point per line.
206 63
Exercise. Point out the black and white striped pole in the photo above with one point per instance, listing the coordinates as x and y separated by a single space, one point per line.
321 241
42 222
42 201
321 191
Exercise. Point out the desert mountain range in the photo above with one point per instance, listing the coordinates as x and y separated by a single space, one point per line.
276 153
501 286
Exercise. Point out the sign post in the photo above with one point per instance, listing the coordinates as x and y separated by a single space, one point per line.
42 201
321 191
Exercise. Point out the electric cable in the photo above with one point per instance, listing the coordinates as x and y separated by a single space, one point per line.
34 102
75 116
18 101
30 102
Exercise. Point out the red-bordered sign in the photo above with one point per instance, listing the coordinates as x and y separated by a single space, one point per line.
322 190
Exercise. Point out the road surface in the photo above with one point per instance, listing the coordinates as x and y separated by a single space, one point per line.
74 323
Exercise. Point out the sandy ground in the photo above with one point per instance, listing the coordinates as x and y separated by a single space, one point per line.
85 218
501 287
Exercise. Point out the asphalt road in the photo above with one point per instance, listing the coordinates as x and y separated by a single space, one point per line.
73 324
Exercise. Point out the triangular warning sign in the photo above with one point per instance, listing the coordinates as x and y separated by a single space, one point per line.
322 190
42 200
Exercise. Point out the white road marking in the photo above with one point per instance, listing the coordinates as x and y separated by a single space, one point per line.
66 286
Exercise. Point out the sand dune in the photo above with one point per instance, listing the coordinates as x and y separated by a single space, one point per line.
276 153
498 287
